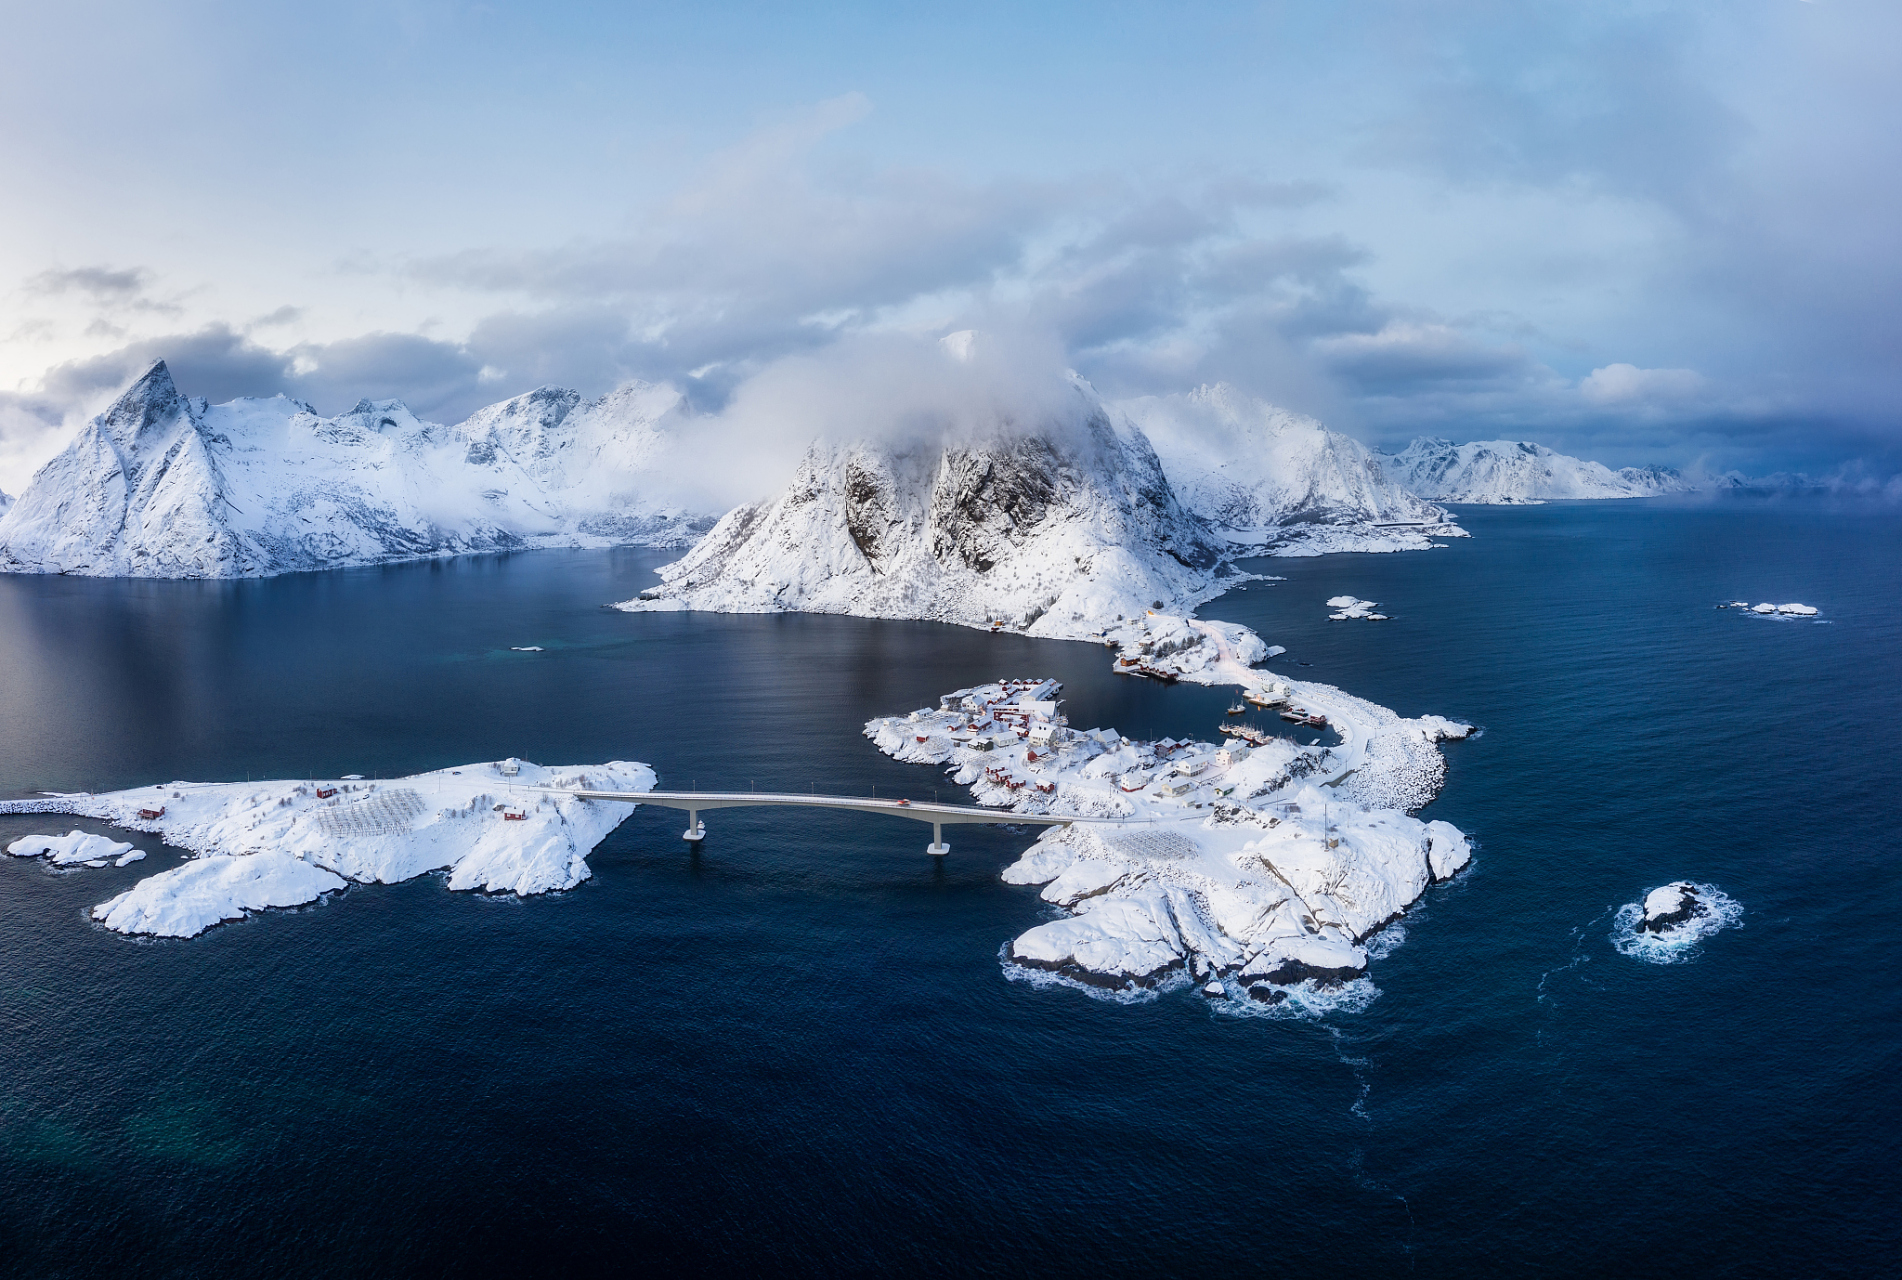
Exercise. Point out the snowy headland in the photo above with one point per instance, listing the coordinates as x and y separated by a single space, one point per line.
1260 867
493 827
1175 647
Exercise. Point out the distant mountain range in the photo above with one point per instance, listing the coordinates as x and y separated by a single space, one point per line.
1049 520
1269 479
1502 471
163 486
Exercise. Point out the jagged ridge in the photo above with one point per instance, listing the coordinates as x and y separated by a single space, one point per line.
161 485
1053 531
1262 476
1507 471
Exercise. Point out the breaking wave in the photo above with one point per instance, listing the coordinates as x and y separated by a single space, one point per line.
1679 944
1044 978
1305 1001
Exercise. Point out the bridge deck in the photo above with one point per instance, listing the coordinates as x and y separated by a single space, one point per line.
917 810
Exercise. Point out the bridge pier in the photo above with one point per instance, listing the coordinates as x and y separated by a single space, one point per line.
937 848
696 830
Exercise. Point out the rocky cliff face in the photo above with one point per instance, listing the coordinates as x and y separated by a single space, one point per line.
1055 530
1505 471
161 485
1262 476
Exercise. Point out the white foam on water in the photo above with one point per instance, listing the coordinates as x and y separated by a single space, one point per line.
1306 1001
1386 942
1678 944
1043 979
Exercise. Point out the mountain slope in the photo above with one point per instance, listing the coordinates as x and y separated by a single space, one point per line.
161 485
1055 531
1505 471
1265 477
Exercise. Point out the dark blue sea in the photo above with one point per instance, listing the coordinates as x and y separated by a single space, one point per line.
795 1050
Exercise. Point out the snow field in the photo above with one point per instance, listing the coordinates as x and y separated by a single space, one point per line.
1240 867
283 844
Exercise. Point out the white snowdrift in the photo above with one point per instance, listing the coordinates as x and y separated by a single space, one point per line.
75 848
281 844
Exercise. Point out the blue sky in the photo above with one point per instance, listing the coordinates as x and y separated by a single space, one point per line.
1641 232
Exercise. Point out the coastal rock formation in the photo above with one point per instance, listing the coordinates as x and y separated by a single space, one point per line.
1053 528
1666 926
1267 478
1509 471
1255 867
283 844
1670 906
164 486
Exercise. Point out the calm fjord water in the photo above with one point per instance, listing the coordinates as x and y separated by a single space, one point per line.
795 1049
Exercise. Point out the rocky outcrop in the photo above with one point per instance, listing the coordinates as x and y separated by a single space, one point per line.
1671 907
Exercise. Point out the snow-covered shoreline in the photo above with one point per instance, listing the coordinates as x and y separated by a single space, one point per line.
1251 869
492 827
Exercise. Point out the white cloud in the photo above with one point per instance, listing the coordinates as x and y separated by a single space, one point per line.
1626 384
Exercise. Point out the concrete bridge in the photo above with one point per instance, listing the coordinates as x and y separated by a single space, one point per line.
938 815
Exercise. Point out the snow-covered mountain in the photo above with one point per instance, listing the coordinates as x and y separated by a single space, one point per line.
161 485
1056 530
6 500
1262 476
1498 471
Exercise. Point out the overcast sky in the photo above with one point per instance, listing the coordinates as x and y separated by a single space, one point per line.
1639 232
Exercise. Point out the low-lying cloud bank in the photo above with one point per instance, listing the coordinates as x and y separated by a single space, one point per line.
1670 251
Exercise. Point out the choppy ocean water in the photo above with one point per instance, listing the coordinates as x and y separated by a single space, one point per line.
797 1049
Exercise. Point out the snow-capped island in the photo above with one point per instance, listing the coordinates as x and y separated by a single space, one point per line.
1664 926
1773 610
1171 647
1260 868
1346 607
500 827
